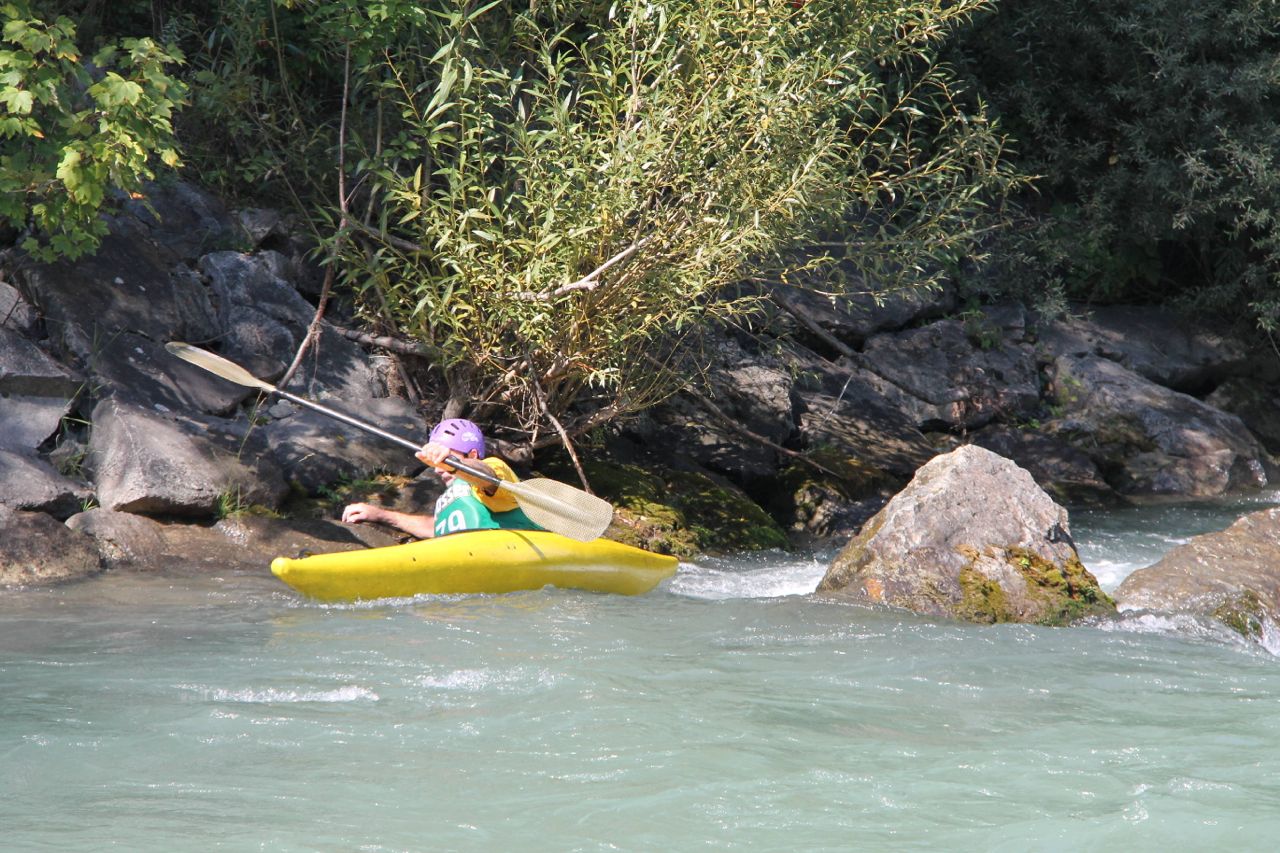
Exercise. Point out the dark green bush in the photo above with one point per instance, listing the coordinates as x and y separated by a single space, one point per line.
1156 127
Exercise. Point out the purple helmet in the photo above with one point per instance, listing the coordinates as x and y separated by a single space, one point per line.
460 436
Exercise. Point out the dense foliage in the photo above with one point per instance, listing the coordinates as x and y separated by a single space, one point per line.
1156 127
550 196
74 130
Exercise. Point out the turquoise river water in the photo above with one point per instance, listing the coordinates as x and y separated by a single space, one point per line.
727 710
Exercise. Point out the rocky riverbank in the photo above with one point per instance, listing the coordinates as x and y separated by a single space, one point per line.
114 455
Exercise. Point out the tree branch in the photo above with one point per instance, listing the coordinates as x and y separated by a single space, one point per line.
588 282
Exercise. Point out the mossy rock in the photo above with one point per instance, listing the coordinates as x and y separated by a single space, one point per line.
1243 614
676 512
982 600
1069 592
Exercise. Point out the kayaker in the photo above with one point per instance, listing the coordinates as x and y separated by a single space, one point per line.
468 503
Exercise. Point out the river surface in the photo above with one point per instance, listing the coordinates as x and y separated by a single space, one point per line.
727 710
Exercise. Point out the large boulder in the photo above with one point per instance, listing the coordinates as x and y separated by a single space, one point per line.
970 537
1232 575
1148 439
28 482
144 462
1153 342
36 549
957 374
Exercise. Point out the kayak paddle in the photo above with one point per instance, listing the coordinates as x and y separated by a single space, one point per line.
557 506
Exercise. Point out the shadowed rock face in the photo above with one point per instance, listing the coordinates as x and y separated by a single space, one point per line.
1151 440
971 537
1232 575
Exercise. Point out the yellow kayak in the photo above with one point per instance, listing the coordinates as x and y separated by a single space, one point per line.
480 561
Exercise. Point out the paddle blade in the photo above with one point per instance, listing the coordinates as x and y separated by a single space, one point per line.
561 508
217 365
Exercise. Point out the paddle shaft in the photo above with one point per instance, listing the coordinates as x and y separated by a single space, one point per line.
478 473
553 505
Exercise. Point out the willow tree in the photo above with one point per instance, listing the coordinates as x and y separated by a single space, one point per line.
550 198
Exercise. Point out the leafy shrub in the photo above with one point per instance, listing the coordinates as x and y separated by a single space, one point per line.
72 131
1155 128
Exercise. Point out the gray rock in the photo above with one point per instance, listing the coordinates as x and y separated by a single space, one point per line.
36 393
1067 473
15 312
258 224
29 483
1150 440
246 544
265 320
145 463
1232 575
1154 343
36 550
971 537
753 391
947 376
315 451
25 370
1254 402
139 370
125 287
853 317
182 221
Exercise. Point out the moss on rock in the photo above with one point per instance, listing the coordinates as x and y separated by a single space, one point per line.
982 599
1243 613
1065 593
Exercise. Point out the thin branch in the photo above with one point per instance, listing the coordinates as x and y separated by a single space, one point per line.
541 397
387 342
808 322
313 330
390 239
588 282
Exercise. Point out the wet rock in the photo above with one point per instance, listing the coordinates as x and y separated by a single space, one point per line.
244 544
36 550
1232 575
145 463
27 482
971 537
1149 440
